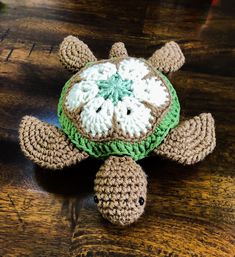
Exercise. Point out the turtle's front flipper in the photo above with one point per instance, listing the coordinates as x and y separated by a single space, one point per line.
46 145
191 141
120 190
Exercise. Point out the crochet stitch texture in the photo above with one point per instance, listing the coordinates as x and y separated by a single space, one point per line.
113 190
113 121
122 109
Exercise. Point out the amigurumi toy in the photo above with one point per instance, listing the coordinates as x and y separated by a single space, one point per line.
121 109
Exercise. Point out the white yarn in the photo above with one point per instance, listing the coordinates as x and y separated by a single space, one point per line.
132 116
101 71
97 116
81 93
132 69
151 90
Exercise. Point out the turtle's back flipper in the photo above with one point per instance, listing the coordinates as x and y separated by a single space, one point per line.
191 141
169 58
46 145
75 54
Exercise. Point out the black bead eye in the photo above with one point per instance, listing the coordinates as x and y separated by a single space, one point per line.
141 201
96 200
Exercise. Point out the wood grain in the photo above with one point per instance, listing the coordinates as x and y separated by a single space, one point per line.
190 210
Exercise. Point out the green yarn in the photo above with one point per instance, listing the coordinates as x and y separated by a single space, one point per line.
137 150
115 88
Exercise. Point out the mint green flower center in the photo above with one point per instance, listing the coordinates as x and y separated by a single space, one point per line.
115 88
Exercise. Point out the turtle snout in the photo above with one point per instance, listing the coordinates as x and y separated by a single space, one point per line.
121 209
120 190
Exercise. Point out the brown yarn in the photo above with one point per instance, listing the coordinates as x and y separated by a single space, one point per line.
75 54
191 141
169 58
46 145
119 184
118 49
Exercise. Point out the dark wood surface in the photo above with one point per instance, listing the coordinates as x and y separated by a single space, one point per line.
190 210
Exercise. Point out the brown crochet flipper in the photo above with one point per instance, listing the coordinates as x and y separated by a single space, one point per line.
191 141
120 190
46 145
74 53
169 58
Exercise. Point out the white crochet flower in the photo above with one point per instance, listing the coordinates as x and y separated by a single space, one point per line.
108 90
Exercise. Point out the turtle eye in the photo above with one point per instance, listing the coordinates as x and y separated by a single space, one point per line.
96 200
141 201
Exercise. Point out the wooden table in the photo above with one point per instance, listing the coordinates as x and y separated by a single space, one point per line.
190 210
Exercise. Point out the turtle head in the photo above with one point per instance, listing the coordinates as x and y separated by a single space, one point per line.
120 190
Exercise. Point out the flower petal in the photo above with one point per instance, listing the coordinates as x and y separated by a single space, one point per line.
133 117
132 69
81 93
152 91
96 117
101 71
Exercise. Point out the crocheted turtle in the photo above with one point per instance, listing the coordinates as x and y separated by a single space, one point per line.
121 109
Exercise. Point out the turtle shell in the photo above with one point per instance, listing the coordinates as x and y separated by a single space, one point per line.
120 106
